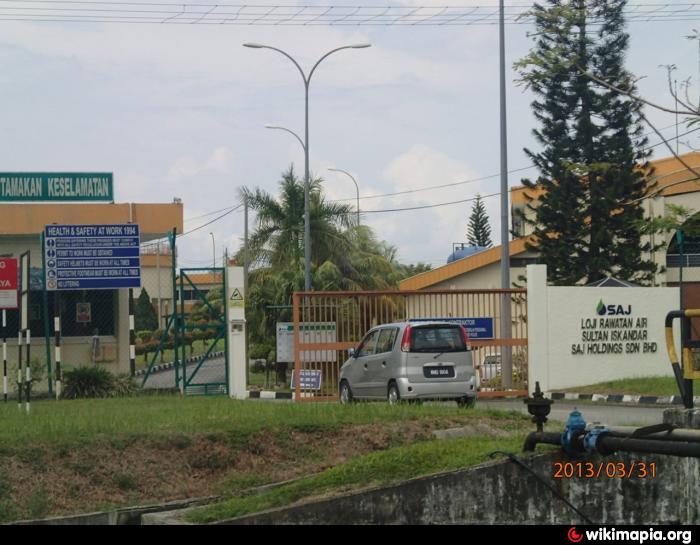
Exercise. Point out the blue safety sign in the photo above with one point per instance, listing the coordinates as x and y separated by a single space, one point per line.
310 379
477 328
92 257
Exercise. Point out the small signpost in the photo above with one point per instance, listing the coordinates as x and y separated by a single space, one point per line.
91 257
81 257
8 300
309 332
477 328
310 379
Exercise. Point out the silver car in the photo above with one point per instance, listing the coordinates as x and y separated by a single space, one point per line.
411 361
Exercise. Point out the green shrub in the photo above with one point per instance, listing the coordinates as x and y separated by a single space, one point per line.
83 382
144 336
259 351
124 386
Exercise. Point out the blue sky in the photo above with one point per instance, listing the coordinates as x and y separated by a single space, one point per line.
179 111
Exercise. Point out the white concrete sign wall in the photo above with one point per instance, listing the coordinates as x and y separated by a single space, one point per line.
581 335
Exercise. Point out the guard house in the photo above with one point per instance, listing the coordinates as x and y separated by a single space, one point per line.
26 209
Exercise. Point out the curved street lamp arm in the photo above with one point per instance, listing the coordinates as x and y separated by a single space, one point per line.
348 174
326 55
303 76
295 135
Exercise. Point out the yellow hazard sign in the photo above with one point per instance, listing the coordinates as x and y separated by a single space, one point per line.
236 300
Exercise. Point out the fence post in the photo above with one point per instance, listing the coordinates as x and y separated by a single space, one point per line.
132 335
4 354
297 352
47 334
19 370
57 332
172 237
28 382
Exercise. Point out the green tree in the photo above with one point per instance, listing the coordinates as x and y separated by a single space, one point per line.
145 316
345 256
593 166
479 231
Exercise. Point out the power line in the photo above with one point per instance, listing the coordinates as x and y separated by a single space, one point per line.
210 222
428 188
431 205
210 213
305 15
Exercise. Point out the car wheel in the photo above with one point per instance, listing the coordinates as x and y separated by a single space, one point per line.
393 396
345 393
467 402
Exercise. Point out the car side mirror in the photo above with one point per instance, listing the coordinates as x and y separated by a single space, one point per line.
351 352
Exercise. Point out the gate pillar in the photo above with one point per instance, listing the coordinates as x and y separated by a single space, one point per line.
235 327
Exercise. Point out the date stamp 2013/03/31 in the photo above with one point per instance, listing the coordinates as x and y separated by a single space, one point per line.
604 470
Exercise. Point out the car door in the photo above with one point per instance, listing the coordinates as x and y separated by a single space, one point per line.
360 375
383 363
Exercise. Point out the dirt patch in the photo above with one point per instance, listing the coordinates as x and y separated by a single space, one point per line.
50 481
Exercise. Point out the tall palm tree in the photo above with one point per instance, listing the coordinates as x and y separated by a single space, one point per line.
278 240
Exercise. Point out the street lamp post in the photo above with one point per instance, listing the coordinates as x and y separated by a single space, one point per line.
307 81
213 249
357 188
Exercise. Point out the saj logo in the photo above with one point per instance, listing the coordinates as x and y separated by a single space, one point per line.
612 310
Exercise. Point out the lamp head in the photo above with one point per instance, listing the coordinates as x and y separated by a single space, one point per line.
360 46
253 45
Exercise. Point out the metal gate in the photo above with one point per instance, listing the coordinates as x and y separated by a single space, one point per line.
203 318
326 324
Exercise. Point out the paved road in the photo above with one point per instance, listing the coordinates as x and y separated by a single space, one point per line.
211 371
611 414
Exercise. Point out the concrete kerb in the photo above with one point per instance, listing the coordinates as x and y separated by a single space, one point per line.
171 364
126 516
618 398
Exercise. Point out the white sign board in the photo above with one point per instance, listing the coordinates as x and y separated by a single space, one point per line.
309 332
580 335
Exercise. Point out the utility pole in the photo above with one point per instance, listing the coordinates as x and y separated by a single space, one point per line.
506 361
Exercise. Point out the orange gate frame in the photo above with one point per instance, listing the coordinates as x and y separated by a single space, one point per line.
356 312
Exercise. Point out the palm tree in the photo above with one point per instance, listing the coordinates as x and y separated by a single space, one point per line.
278 241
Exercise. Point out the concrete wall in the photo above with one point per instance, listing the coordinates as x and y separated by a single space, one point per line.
571 344
505 493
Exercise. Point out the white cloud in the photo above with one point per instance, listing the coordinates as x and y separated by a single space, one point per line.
186 166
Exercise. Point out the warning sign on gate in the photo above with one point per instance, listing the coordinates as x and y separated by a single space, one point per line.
236 299
8 283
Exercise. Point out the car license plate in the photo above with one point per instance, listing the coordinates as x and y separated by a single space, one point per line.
439 372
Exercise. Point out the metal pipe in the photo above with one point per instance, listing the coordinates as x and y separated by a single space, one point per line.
607 444
683 435
536 437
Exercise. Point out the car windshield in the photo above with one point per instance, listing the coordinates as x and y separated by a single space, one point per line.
437 338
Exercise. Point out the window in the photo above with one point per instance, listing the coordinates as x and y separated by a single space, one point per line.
437 339
369 344
387 336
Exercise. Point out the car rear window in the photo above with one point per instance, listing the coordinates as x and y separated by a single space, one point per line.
437 338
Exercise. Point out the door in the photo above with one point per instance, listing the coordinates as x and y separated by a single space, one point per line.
360 376
382 367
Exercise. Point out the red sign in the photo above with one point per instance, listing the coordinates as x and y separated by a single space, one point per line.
8 282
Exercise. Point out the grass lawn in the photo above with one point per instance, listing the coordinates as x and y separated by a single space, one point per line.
648 386
86 455
392 465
